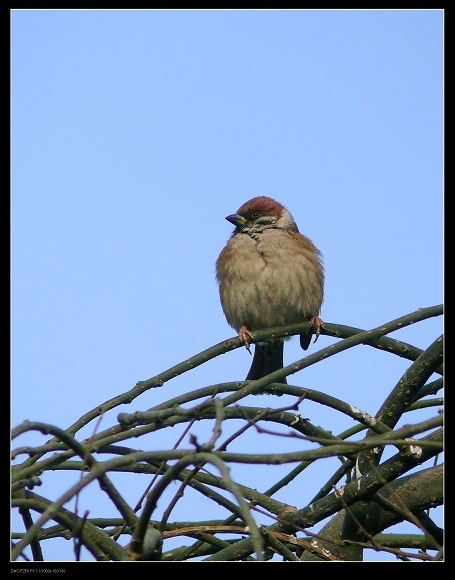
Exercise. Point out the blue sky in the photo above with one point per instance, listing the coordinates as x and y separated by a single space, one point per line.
135 132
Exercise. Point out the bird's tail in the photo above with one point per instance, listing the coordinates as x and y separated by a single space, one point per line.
268 357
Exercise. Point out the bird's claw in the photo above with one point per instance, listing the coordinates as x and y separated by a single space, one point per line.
244 337
317 324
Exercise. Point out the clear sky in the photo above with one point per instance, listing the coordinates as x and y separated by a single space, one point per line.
135 132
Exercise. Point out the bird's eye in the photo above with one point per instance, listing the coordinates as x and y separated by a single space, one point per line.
255 214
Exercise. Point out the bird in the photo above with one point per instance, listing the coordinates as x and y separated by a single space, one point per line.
269 274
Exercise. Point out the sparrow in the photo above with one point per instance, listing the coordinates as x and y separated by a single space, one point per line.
269 274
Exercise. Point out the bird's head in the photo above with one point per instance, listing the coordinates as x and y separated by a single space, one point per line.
261 213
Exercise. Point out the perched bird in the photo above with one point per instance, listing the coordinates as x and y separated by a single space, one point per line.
269 274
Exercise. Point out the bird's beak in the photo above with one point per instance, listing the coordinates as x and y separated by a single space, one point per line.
238 220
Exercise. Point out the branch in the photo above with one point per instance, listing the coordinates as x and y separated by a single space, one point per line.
419 491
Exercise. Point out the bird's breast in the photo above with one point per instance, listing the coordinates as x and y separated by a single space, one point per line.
268 281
